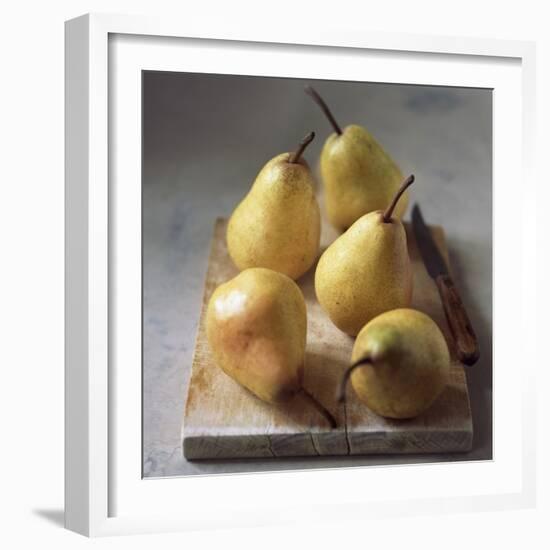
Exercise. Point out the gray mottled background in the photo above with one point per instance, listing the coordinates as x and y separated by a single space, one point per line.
204 139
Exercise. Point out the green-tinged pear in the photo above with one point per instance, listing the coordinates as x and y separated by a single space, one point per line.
400 364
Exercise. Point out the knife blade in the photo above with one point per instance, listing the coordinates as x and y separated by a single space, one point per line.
459 323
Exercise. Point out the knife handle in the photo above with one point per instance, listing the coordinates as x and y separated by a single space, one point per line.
465 339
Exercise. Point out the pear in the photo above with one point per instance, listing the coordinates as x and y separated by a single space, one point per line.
366 270
256 326
358 175
400 364
278 224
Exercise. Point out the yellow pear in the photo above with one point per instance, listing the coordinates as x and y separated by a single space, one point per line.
366 270
278 224
358 175
256 326
400 364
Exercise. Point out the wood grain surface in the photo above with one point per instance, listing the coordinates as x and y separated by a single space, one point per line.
224 420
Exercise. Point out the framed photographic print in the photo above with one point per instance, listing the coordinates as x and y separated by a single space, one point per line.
281 262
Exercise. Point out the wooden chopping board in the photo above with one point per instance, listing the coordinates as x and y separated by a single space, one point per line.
224 420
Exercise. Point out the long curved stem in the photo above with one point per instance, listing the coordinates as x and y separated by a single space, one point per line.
341 392
295 157
310 91
389 211
321 408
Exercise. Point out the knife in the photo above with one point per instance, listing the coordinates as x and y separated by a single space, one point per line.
463 334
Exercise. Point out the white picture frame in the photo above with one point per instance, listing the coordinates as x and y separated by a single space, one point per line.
105 493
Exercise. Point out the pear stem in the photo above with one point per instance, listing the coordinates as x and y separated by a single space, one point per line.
341 392
389 211
310 91
321 408
295 157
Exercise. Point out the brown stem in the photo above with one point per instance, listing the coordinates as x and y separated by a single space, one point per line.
341 392
324 107
321 408
295 157
389 211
